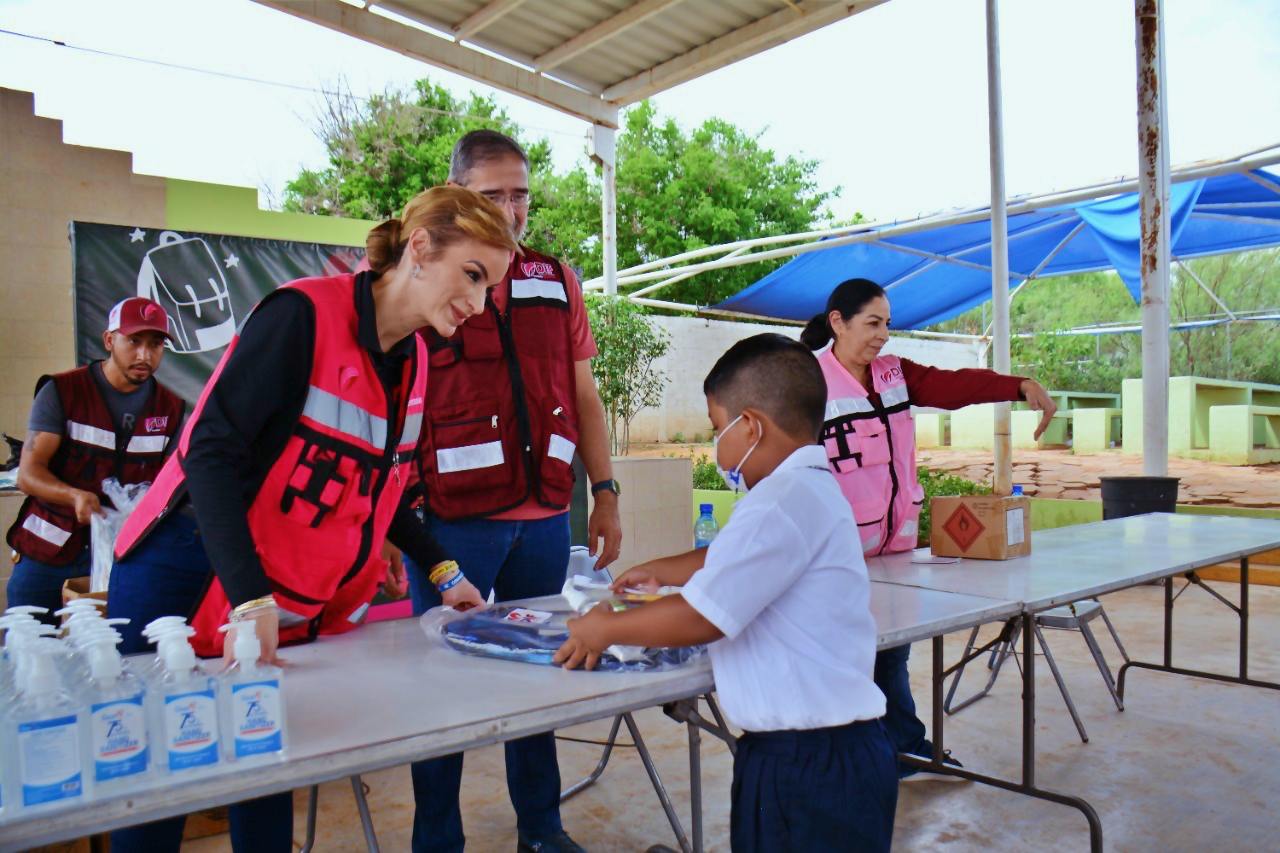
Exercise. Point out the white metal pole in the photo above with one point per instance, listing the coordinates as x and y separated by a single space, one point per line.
1153 193
999 250
604 152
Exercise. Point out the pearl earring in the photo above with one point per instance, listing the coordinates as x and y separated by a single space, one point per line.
417 270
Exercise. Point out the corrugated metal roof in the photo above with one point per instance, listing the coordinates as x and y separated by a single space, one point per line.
586 57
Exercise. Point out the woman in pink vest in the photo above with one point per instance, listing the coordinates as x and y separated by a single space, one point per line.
870 438
290 473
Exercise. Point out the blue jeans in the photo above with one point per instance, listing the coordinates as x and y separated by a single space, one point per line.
906 731
515 559
40 584
165 576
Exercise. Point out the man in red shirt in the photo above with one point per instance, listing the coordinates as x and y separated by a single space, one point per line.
510 399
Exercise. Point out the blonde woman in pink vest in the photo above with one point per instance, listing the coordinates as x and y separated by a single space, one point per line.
869 434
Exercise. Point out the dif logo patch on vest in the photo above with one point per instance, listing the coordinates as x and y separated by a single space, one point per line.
157 424
538 269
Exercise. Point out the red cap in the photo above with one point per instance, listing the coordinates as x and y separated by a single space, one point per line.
137 314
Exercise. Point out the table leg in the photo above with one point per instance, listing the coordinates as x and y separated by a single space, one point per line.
656 780
695 784
1027 785
1244 618
366 820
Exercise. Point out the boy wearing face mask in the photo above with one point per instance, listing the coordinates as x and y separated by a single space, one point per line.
783 599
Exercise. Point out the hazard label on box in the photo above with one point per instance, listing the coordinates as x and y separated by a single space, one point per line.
963 527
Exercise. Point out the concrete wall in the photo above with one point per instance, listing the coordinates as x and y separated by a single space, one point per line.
656 508
696 344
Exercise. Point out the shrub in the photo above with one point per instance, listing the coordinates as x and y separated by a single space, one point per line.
937 484
705 475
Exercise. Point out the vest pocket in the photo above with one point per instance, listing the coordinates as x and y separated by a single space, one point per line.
464 450
556 435
480 338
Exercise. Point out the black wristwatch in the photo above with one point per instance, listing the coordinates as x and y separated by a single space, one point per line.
606 485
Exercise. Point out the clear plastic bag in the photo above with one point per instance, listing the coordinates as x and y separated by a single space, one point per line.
533 632
104 528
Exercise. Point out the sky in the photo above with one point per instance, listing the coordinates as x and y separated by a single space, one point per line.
891 102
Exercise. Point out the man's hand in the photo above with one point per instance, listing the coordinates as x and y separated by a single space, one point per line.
604 523
464 596
1038 398
397 581
587 639
86 505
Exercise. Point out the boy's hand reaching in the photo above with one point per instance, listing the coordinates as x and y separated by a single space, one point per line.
586 639
641 577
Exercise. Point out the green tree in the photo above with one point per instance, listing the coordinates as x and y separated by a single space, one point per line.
385 150
681 191
624 372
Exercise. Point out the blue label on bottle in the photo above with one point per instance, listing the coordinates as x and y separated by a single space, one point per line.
191 729
255 709
49 757
119 733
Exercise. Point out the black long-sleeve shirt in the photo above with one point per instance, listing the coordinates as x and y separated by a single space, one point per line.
246 423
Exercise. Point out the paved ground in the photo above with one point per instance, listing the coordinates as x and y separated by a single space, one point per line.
1190 764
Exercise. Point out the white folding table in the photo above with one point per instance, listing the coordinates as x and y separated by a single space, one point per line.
1073 563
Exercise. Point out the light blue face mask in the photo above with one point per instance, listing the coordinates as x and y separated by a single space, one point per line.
733 478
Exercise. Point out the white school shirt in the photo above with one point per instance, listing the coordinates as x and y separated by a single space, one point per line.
786 583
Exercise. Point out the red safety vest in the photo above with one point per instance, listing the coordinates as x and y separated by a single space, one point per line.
872 451
90 452
503 413
322 512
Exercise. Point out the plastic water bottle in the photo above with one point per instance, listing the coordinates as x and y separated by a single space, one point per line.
705 529
1017 491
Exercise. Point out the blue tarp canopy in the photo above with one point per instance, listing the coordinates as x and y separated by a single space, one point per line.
937 273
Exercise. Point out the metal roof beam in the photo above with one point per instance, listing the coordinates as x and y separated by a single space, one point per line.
455 57
483 17
601 32
769 31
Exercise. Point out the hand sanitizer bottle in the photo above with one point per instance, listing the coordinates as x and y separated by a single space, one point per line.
184 709
41 734
252 702
115 741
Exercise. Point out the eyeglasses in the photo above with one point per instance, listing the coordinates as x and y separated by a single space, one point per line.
518 198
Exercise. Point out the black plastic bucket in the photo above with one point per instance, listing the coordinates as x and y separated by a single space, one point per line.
1126 496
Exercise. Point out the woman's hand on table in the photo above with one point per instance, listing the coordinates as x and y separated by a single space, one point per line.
586 639
464 596
267 624
1038 398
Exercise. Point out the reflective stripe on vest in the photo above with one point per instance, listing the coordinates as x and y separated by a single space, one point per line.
896 395
147 444
559 447
344 417
87 434
469 457
48 532
847 406
536 288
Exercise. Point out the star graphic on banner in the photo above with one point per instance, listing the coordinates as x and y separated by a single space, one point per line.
136 235
231 260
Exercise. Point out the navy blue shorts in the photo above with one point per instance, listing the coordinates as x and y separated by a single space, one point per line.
816 789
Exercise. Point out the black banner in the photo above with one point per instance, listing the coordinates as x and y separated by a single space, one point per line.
208 284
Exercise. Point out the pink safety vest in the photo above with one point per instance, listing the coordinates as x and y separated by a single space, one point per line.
872 451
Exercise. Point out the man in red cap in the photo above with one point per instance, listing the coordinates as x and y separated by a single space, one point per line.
110 418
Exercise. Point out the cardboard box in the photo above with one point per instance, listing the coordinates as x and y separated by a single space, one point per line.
73 588
983 527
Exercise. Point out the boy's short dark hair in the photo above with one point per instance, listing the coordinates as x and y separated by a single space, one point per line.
776 375
480 146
